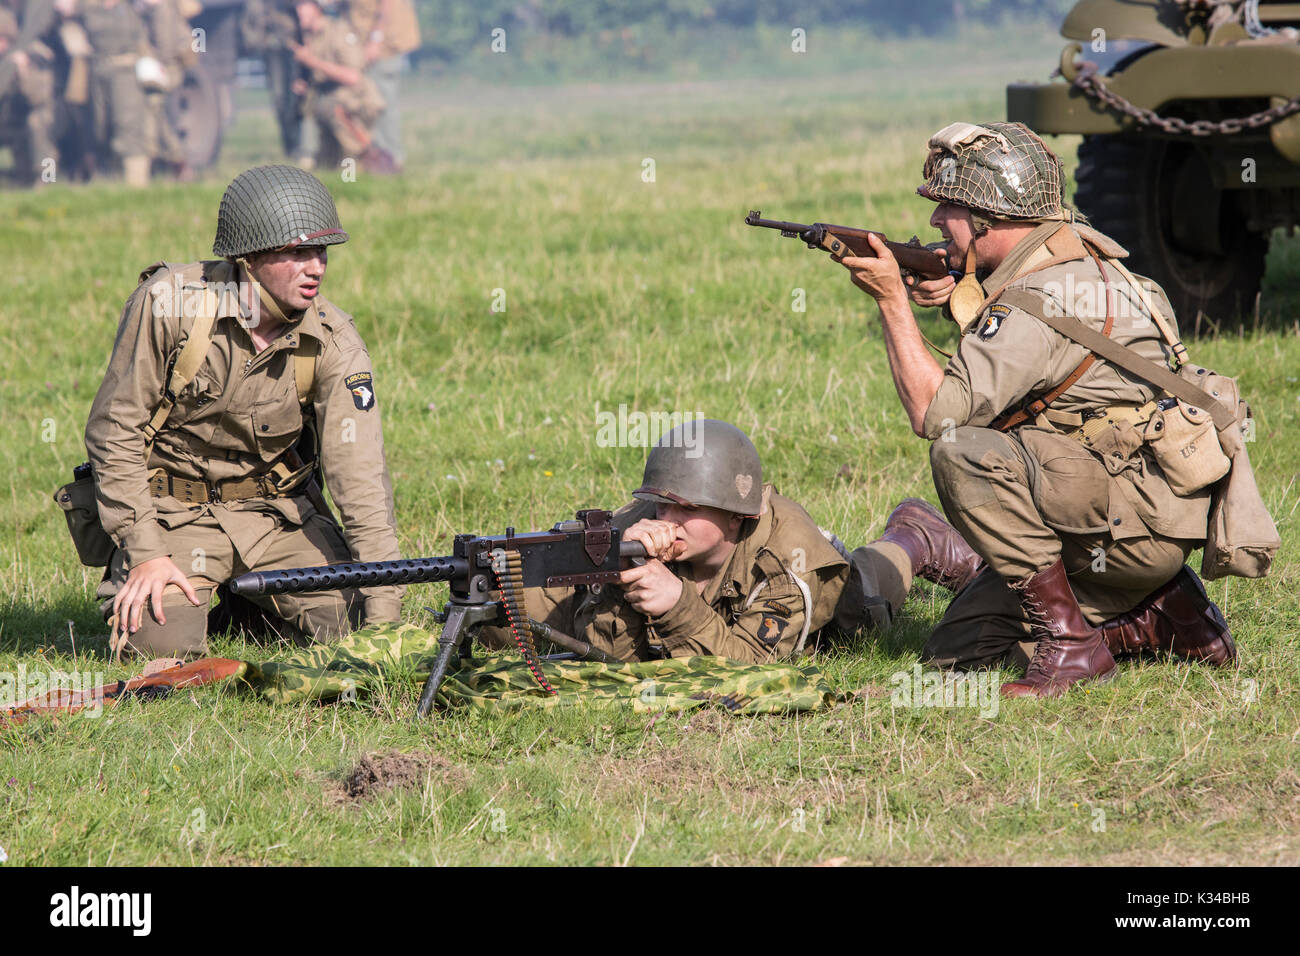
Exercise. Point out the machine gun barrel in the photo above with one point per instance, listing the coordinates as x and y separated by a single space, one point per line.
331 577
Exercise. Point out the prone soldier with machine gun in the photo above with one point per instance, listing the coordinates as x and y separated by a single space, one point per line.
709 561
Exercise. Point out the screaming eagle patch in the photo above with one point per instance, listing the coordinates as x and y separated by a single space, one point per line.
993 321
362 387
770 631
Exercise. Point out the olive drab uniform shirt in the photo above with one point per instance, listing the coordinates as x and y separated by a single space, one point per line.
236 418
781 586
1010 356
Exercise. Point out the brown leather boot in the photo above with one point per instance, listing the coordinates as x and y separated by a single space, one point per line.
377 161
1069 649
939 554
1178 619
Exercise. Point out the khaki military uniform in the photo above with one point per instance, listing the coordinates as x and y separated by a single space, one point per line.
785 589
346 114
1025 497
238 417
118 38
397 33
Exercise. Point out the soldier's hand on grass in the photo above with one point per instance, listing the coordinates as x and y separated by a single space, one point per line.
651 589
146 582
659 538
878 277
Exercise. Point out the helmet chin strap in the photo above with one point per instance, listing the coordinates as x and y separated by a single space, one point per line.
267 300
968 296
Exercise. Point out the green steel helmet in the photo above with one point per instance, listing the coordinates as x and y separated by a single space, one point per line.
1000 169
275 207
704 462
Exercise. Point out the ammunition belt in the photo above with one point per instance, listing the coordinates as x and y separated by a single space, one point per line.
1104 419
196 492
508 568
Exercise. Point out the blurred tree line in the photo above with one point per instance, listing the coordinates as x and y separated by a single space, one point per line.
452 28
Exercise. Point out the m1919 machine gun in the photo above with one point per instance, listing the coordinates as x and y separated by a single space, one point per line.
587 550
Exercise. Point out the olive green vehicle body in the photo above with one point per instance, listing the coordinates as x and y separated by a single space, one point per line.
1200 207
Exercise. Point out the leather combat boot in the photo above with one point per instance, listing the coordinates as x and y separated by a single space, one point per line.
938 553
378 161
1069 649
1178 619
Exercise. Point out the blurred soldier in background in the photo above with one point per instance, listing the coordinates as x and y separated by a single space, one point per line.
390 31
268 29
26 101
343 100
120 40
169 36
76 124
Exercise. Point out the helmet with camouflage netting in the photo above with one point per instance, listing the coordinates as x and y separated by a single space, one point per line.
704 462
1002 170
275 207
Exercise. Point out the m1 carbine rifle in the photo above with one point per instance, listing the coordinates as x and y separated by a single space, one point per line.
587 550
842 241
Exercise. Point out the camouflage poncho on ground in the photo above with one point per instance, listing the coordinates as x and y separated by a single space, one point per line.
384 653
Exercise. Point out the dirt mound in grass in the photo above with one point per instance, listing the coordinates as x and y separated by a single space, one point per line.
379 772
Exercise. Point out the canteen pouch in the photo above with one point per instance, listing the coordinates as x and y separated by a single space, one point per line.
77 499
1186 445
1241 538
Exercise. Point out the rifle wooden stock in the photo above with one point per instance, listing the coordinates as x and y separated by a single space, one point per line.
841 241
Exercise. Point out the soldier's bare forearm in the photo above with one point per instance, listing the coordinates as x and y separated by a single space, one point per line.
916 374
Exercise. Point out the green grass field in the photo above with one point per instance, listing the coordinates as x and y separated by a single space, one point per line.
655 295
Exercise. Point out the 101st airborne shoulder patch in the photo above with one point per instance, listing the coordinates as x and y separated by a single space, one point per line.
773 626
993 321
362 386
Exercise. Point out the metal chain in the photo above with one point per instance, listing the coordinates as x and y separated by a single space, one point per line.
1092 85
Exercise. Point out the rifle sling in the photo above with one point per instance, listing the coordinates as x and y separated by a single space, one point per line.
1124 357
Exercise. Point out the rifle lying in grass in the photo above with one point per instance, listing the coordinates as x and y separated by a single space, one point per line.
587 550
147 686
842 241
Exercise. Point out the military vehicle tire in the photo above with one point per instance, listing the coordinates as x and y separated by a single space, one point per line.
1135 190
194 110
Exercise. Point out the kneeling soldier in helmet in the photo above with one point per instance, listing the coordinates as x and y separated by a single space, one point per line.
196 436
740 571
1038 447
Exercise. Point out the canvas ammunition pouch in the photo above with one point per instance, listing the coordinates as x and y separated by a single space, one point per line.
77 499
1186 445
1241 538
